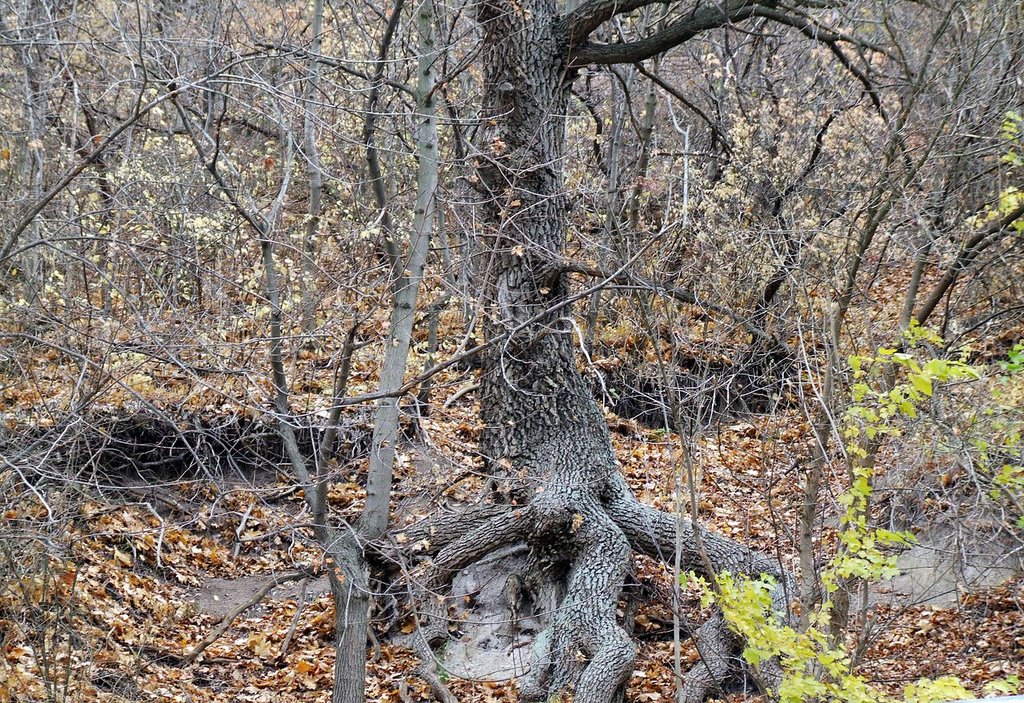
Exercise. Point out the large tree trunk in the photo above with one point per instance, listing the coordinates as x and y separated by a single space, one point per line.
545 438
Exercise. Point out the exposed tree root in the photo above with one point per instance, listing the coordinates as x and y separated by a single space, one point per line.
581 544
444 527
716 646
586 623
653 533
428 634
496 532
581 531
458 540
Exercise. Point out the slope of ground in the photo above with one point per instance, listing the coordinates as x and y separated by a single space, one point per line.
106 591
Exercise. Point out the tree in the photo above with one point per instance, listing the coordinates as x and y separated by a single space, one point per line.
241 90
545 438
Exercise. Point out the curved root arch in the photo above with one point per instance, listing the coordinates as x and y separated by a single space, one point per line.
581 538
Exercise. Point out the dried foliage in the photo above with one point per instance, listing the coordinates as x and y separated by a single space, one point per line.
754 221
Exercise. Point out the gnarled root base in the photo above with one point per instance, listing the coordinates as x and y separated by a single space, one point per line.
580 553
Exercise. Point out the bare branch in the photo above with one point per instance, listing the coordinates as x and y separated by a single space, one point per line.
626 278
701 20
590 15
830 38
978 243
675 93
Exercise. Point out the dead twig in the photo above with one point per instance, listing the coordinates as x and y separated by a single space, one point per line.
465 390
295 619
236 550
228 619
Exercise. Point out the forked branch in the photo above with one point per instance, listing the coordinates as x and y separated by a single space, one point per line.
700 20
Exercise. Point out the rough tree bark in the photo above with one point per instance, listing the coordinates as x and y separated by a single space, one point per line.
545 438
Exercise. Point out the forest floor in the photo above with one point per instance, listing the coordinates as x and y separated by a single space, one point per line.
108 606
110 578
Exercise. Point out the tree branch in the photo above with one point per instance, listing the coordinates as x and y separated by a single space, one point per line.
978 243
700 20
290 50
814 29
626 278
590 15
90 158
241 608
716 132
373 164
830 38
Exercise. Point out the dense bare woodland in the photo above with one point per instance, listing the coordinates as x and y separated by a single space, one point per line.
511 350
